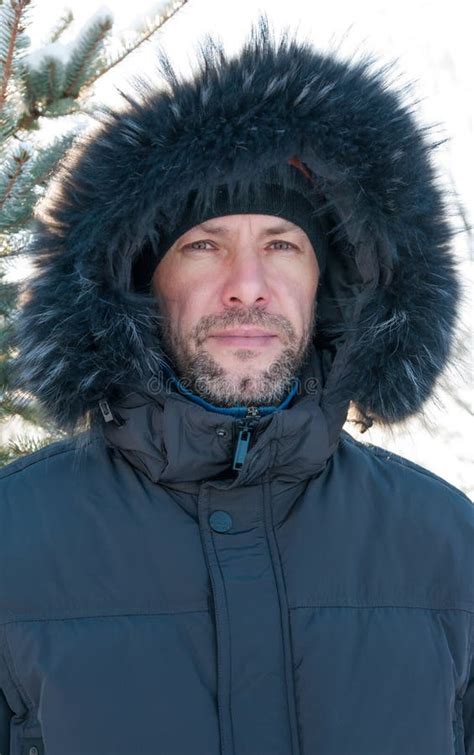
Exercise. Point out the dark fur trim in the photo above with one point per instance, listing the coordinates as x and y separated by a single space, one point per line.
388 303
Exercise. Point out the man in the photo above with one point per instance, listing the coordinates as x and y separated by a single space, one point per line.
211 564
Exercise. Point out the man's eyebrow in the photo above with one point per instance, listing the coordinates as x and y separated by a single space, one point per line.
280 228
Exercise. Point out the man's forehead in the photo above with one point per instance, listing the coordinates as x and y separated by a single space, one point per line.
270 225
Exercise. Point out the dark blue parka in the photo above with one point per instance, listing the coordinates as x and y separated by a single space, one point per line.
318 600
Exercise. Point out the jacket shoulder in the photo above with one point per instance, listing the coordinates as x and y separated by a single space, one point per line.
72 446
413 473
24 462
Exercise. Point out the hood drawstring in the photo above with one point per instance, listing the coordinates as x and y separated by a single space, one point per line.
108 415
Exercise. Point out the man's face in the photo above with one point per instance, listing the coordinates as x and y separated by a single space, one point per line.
238 298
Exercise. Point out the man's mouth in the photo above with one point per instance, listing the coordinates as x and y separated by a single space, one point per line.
244 337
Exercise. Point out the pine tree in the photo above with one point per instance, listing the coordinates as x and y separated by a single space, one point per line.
35 89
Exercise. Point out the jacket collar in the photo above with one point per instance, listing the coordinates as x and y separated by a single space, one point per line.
232 411
177 441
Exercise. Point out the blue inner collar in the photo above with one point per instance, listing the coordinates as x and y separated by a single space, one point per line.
235 411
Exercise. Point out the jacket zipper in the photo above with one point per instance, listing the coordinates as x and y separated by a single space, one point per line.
245 427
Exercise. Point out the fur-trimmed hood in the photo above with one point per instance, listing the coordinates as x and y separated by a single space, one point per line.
388 301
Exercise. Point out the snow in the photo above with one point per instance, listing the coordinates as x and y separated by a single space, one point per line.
56 50
62 49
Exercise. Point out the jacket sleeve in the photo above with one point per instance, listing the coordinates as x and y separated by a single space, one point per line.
5 716
468 702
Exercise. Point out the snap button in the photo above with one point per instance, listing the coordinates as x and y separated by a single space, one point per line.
221 432
32 746
220 521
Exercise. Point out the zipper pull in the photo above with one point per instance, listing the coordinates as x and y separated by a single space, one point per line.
245 434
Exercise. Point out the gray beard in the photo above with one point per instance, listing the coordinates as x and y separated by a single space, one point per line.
200 373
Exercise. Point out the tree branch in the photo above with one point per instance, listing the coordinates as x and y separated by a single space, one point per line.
18 8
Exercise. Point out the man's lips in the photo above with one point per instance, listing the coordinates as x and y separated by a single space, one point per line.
244 337
243 332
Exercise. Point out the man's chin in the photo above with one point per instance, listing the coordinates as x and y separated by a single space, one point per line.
244 381
243 362
240 376
237 359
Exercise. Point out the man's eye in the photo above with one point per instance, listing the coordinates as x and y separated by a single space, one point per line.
195 244
192 245
292 246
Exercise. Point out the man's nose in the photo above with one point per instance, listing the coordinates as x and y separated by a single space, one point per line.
246 282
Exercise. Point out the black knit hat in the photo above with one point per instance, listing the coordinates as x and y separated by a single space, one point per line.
298 202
